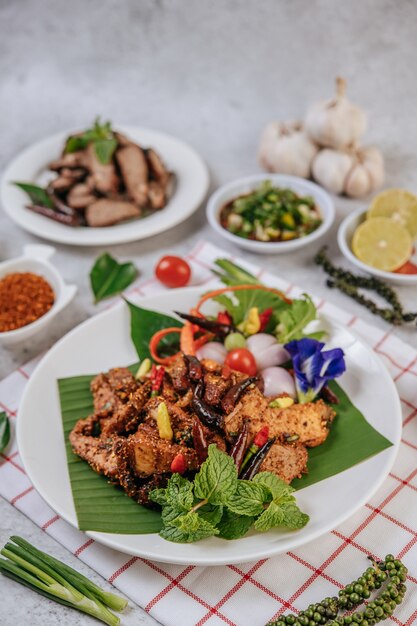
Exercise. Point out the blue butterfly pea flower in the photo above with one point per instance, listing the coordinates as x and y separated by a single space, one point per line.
313 367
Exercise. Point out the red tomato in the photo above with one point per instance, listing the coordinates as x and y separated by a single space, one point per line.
173 271
241 360
407 268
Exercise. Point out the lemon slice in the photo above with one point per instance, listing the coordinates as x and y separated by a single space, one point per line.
398 204
382 243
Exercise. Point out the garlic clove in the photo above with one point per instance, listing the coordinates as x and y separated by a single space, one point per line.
358 182
337 122
373 160
286 149
330 169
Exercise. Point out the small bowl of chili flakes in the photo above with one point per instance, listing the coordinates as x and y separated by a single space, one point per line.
32 292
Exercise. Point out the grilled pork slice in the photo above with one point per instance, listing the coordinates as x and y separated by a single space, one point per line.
134 169
105 212
105 177
178 372
288 461
309 421
148 454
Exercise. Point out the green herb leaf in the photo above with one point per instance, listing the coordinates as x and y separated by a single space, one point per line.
178 493
271 517
76 143
248 499
108 277
188 528
295 318
37 194
293 517
216 481
4 431
144 324
105 149
276 487
211 513
234 526
282 512
101 135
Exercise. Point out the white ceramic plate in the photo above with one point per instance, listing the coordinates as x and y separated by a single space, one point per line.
104 342
344 239
192 181
245 185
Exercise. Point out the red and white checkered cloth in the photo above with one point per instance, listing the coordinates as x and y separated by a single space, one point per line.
252 593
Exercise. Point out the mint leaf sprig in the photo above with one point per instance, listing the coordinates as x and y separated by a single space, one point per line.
218 503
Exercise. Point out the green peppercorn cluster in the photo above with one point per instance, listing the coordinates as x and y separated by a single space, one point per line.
389 570
350 283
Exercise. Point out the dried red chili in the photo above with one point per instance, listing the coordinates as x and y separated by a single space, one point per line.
24 298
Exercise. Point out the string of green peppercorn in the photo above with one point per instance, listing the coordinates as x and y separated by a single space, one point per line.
350 283
389 570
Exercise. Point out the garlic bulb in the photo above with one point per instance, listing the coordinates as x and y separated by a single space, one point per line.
335 123
354 172
286 149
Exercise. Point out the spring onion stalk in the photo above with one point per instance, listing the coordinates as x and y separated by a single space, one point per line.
233 274
42 573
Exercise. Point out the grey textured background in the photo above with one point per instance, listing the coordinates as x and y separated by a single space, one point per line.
212 73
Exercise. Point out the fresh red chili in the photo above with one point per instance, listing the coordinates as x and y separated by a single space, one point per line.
224 317
262 437
157 378
178 464
264 318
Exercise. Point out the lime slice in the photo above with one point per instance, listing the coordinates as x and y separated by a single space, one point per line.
382 243
398 204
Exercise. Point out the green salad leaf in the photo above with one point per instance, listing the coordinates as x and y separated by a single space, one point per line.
4 431
288 319
38 195
108 277
217 502
294 319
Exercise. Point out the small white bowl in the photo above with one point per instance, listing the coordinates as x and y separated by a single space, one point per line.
344 239
245 185
35 259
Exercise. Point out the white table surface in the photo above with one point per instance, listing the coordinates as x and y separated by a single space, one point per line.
213 74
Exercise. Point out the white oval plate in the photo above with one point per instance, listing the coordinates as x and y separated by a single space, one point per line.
104 342
192 180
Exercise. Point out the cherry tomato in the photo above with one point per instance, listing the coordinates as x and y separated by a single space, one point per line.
241 360
407 268
173 271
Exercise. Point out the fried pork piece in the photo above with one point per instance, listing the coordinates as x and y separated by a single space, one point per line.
148 454
178 373
215 388
112 389
126 418
98 452
288 461
309 421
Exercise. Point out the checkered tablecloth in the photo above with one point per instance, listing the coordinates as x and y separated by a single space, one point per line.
252 593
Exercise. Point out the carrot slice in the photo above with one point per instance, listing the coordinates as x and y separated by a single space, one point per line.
153 345
219 292
187 339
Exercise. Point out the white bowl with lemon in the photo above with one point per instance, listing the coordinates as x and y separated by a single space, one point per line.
382 239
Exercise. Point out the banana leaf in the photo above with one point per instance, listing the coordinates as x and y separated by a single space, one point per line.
101 506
